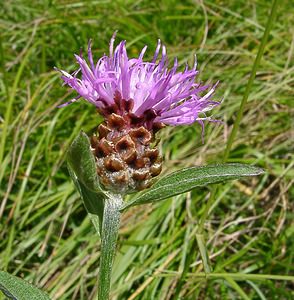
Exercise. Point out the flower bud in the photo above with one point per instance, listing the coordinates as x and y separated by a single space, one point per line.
125 158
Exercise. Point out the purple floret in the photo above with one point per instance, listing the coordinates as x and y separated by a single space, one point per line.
172 96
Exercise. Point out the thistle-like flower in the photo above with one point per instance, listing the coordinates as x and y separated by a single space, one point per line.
136 99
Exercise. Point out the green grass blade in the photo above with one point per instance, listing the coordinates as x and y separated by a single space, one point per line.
11 99
236 287
260 52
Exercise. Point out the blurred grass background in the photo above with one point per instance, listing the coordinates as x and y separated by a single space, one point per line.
45 235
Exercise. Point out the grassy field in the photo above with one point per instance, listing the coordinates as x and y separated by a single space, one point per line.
45 235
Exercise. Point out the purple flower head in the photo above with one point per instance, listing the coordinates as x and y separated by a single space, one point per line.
149 91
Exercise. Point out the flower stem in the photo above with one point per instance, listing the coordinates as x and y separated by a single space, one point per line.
109 234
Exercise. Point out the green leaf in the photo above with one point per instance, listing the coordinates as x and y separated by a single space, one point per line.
18 289
82 162
82 169
93 201
187 179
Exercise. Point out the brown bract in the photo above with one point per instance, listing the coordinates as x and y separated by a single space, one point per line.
125 159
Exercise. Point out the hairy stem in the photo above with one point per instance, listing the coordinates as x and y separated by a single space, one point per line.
109 234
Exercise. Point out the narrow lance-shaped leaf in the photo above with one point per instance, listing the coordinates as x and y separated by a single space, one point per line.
82 162
82 169
187 179
18 289
93 201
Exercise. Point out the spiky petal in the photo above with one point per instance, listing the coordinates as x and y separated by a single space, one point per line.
173 97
